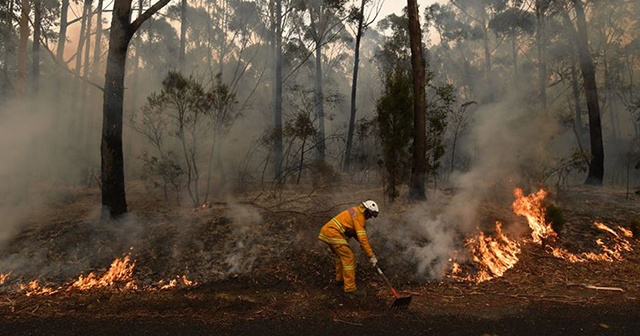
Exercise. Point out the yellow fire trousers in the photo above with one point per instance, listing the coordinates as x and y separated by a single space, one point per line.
345 266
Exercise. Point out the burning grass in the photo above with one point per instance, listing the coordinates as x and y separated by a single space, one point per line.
119 277
492 256
182 260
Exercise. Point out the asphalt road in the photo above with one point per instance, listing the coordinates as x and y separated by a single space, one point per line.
539 323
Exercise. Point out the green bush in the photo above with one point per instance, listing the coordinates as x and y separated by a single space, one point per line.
634 226
555 217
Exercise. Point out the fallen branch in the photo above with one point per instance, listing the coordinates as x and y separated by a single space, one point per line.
347 322
615 289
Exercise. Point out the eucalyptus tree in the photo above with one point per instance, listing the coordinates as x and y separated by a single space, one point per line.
541 8
114 202
7 43
596 164
453 52
62 35
419 163
513 23
157 46
611 23
24 32
478 14
394 106
363 19
277 28
323 23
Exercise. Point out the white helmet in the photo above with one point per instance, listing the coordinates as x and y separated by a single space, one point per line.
371 206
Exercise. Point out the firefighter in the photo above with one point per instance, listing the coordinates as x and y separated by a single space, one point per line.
349 223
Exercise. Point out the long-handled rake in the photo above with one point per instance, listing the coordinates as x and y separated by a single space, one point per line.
399 302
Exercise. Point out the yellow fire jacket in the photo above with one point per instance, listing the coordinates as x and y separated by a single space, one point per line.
349 223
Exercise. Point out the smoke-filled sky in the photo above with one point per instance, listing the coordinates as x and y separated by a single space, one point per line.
396 6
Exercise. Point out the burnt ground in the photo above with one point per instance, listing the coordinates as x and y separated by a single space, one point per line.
259 271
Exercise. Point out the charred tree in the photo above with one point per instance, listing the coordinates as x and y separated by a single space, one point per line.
362 24
318 36
9 49
35 51
114 203
541 9
354 85
419 165
62 38
277 113
22 48
596 165
183 34
97 52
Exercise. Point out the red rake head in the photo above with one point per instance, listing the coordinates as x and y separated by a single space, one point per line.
401 302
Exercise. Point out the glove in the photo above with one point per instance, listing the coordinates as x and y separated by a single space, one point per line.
374 261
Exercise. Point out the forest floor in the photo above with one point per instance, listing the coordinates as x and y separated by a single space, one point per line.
255 268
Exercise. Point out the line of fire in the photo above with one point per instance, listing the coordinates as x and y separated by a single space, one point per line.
487 256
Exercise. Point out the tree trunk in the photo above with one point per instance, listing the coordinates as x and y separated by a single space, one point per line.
514 55
319 101
277 115
575 88
7 57
97 51
114 203
35 53
82 39
354 85
183 34
419 167
596 166
542 59
489 94
22 49
62 38
135 65
609 97
319 96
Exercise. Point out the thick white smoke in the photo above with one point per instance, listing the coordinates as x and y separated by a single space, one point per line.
506 141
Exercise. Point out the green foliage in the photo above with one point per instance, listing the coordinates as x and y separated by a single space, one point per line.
158 46
166 167
512 22
555 216
439 106
179 119
395 118
559 170
634 226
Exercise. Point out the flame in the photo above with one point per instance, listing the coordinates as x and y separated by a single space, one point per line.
625 232
34 288
119 275
531 208
120 272
609 254
175 282
492 257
